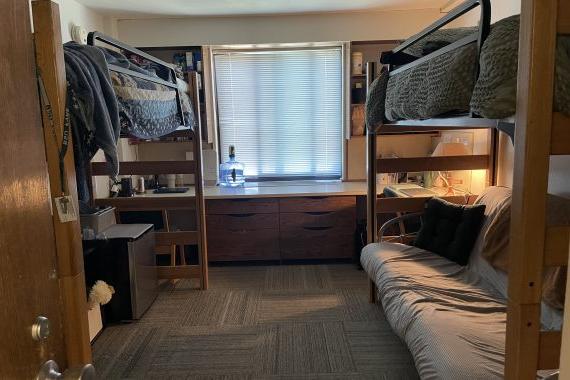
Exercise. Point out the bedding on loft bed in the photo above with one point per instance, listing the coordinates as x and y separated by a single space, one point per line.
102 104
447 85
147 109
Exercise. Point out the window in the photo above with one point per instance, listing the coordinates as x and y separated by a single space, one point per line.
282 108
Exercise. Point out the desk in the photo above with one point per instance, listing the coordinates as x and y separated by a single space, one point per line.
268 221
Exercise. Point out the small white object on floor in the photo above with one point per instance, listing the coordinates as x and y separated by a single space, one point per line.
100 294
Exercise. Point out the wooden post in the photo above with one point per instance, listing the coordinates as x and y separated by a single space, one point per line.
371 164
530 185
199 185
50 62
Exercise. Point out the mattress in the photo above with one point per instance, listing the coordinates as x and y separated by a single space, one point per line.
448 84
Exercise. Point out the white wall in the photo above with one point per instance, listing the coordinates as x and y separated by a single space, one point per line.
279 28
504 8
72 13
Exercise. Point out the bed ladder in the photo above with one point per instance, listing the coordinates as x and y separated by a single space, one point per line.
540 133
171 242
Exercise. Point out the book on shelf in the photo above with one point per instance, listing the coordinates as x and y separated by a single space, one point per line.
179 59
189 61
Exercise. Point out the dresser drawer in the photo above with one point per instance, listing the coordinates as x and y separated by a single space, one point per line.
241 237
343 218
241 222
316 204
243 245
242 206
313 242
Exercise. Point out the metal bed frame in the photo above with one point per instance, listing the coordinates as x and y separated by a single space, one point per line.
92 39
540 133
398 61
167 239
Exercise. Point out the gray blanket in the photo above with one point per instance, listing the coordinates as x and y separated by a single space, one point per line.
93 109
446 84
149 110
494 95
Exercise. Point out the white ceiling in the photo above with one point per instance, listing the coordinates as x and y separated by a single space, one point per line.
133 8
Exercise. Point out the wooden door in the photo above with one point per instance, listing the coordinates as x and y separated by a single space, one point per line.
28 278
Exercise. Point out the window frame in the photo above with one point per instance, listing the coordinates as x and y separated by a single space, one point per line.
213 113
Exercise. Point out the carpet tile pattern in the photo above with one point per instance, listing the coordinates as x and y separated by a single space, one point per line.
259 322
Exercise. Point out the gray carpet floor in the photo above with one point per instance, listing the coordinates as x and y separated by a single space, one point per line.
259 322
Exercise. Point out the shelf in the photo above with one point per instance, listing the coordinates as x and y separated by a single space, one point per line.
150 203
176 238
421 164
146 168
416 204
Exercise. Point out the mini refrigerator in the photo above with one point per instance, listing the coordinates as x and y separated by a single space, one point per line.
124 257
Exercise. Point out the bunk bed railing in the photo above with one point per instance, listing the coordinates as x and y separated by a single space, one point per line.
92 39
399 61
407 61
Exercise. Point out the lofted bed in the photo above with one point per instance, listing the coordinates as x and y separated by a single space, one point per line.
66 170
399 101
137 124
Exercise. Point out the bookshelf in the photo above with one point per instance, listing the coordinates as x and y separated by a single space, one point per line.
370 51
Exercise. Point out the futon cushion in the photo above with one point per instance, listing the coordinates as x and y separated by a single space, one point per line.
451 320
496 231
450 230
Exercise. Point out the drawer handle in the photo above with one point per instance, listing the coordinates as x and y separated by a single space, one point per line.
240 200
247 215
317 197
318 228
242 231
318 212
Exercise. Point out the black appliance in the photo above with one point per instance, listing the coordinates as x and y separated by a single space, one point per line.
123 256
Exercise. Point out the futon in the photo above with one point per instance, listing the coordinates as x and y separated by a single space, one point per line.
452 317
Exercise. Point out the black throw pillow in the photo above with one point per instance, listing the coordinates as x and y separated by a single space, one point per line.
450 230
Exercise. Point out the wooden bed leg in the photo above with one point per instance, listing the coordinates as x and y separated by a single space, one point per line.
371 291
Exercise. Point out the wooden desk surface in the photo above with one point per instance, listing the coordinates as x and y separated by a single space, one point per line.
254 190
264 190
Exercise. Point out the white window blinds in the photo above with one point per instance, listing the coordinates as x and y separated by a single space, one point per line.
283 111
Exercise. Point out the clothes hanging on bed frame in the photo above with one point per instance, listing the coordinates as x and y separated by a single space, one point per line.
94 111
105 102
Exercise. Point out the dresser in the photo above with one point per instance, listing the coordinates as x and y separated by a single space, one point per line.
288 228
